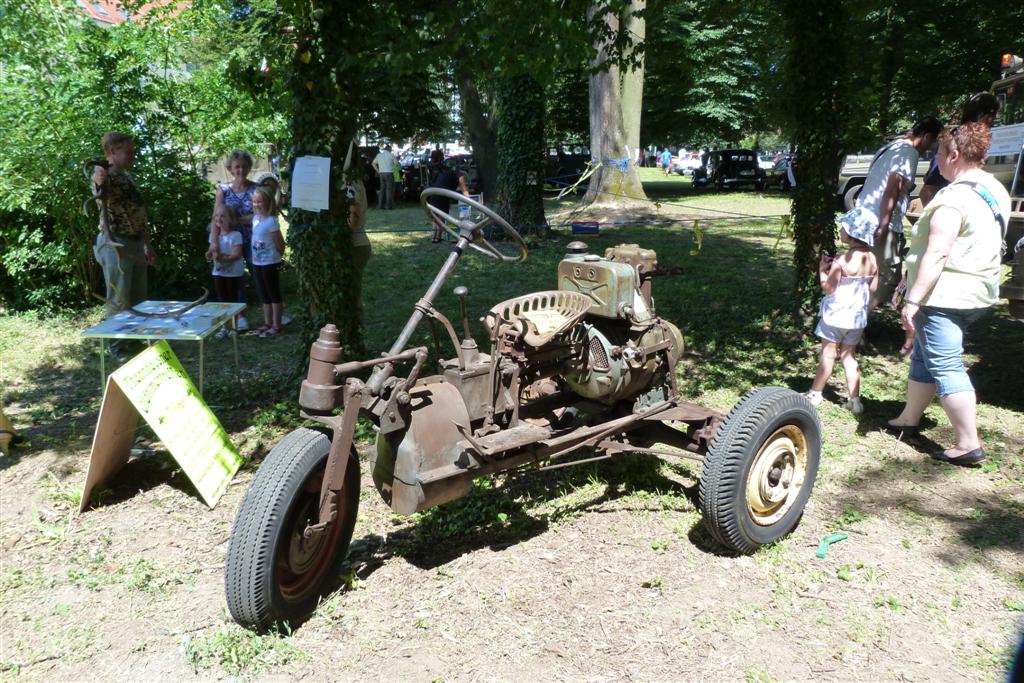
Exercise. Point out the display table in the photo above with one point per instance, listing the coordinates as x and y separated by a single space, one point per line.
196 324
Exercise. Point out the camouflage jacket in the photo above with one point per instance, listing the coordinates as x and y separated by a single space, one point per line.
125 209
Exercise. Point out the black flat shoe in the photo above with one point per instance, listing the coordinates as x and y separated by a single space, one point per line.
967 459
900 430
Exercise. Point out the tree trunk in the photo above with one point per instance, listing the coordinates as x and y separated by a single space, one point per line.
321 241
520 107
889 68
814 27
633 77
616 181
479 121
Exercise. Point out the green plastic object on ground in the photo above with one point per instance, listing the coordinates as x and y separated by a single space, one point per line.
829 540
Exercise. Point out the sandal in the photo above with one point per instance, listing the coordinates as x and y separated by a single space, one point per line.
436 240
271 332
259 331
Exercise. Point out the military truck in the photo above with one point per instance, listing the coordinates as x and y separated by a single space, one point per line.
1006 162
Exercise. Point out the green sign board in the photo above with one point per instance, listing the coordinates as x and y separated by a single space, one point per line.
159 389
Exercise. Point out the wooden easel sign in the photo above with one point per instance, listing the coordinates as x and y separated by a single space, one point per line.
155 387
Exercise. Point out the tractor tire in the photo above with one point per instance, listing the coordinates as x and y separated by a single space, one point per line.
760 469
273 576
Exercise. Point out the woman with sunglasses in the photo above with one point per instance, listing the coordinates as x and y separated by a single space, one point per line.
980 108
953 278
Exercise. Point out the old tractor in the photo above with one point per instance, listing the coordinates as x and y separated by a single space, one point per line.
586 367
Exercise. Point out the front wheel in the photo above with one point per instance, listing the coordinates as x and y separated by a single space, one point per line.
760 469
273 574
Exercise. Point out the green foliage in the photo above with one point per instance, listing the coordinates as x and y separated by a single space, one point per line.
915 59
704 81
567 115
127 78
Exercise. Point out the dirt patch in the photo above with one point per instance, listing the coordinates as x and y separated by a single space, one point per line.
592 578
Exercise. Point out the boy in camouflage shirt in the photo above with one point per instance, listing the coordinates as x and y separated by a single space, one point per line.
122 247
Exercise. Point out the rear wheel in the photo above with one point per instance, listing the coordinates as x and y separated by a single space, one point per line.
850 196
273 574
760 469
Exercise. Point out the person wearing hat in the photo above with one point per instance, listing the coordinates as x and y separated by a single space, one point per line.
980 108
848 281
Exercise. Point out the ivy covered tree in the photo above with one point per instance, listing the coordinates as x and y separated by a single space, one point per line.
374 80
816 117
520 142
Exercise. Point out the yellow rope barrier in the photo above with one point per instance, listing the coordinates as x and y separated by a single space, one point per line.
698 234
785 230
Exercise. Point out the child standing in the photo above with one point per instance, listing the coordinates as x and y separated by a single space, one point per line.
228 267
848 281
122 247
267 252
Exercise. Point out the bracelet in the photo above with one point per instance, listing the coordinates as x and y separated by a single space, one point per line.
912 303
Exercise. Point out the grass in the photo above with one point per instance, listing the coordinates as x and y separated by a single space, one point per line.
732 302
239 652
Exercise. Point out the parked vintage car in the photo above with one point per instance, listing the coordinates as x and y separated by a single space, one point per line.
564 165
780 175
687 164
731 168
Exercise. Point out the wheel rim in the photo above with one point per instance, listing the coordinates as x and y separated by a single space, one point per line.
777 475
300 562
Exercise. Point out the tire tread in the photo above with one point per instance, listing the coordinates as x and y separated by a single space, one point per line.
721 480
248 566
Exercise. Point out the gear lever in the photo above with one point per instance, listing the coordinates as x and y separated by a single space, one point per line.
469 348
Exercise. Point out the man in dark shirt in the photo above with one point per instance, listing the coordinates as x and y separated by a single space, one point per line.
448 179
981 108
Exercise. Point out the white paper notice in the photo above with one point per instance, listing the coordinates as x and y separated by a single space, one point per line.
311 183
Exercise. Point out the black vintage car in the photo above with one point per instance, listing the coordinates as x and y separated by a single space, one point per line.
564 165
731 168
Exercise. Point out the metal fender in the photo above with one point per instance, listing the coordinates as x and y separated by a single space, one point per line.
418 468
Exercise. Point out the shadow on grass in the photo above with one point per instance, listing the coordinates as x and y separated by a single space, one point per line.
995 340
931 492
60 398
143 474
499 515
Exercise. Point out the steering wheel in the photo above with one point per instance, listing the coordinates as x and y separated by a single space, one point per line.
473 230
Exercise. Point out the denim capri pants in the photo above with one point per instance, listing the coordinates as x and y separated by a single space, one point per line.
937 357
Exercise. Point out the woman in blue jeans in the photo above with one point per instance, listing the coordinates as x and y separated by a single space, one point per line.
952 279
